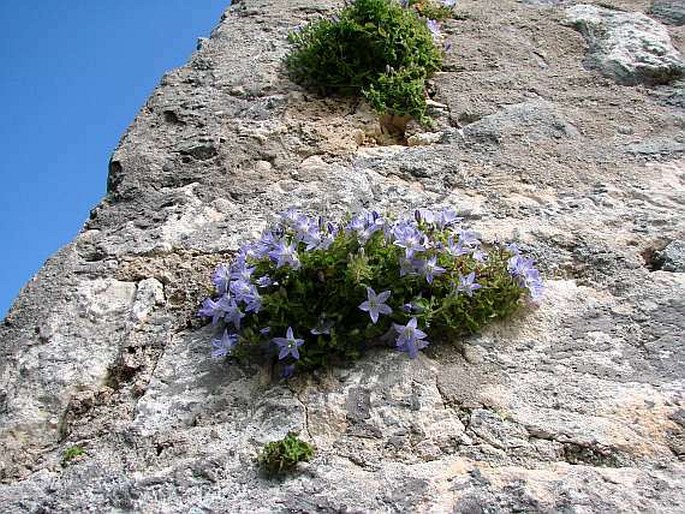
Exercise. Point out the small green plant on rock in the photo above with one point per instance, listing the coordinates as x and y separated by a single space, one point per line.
72 453
374 48
279 457
433 9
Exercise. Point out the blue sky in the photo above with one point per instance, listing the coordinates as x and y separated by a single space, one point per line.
73 74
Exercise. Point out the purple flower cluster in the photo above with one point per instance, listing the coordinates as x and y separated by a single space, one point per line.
238 288
409 237
238 295
430 249
528 276
421 253
468 284
365 224
281 243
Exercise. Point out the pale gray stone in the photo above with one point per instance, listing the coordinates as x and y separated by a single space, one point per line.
668 11
628 47
672 257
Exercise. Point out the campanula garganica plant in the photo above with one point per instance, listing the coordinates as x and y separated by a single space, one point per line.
383 50
311 293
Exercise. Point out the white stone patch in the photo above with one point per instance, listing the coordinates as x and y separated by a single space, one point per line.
628 47
73 350
195 215
262 131
150 293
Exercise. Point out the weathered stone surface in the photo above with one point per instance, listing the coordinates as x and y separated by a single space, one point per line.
542 3
576 406
628 47
672 257
668 11
533 120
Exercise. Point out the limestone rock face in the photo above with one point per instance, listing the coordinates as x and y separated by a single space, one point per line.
668 11
672 257
577 406
628 47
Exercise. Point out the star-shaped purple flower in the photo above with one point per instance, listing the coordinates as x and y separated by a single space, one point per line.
407 266
528 276
430 269
468 237
479 255
434 28
375 304
241 271
457 248
447 217
247 293
410 339
284 254
221 278
467 284
224 345
533 281
290 215
234 314
215 309
266 243
409 238
264 281
365 224
513 248
519 265
288 345
425 215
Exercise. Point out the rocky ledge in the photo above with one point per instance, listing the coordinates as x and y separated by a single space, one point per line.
110 402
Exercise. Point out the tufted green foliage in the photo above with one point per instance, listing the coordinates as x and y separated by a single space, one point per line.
365 51
432 9
71 453
399 93
279 457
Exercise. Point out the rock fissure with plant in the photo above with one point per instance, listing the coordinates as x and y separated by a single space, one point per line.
382 50
311 293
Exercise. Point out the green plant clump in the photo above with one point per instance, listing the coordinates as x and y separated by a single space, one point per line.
368 49
278 457
433 9
71 453
311 293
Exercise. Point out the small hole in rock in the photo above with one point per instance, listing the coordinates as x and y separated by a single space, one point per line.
466 118
654 261
393 129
